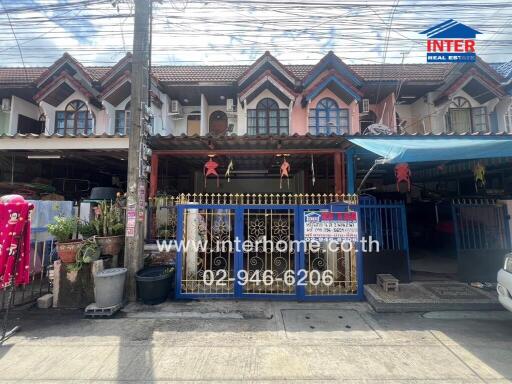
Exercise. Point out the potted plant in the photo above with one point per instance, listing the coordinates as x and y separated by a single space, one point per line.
63 229
109 228
88 252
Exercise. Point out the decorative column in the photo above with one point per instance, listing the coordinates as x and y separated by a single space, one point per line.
338 174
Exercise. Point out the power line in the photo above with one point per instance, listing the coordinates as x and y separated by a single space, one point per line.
15 38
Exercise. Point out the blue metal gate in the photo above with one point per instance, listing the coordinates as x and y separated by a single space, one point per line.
299 273
482 238
386 223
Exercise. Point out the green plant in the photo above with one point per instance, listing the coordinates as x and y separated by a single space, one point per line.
87 229
63 228
89 251
109 219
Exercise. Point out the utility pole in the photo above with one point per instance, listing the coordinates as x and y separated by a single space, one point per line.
136 186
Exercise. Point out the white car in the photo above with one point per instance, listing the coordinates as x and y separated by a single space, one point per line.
504 286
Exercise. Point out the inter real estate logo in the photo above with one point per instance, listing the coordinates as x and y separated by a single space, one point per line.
451 41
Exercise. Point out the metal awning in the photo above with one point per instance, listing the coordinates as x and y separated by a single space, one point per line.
248 143
395 150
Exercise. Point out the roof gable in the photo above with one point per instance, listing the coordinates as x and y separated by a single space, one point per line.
264 63
468 82
267 81
331 61
60 89
65 63
337 85
118 69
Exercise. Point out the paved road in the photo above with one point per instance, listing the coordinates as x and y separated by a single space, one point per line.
269 342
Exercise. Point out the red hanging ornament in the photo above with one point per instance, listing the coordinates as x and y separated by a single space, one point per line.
403 175
210 168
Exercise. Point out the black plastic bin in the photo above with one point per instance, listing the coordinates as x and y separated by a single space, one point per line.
155 284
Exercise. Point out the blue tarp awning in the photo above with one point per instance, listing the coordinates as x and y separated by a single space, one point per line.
415 149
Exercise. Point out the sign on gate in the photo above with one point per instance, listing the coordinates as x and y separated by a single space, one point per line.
330 226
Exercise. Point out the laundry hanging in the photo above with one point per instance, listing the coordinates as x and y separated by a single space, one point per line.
230 168
14 239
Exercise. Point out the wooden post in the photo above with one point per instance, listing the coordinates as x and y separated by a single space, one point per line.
338 183
153 179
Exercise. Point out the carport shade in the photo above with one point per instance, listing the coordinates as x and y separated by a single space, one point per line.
411 150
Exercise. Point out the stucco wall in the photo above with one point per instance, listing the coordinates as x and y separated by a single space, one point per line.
4 122
21 107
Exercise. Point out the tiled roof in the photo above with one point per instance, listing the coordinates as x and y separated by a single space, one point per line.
97 72
20 75
194 73
369 72
434 72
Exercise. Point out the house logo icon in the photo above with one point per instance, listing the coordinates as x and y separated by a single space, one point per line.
451 41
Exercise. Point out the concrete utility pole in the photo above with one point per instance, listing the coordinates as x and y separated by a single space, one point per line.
136 188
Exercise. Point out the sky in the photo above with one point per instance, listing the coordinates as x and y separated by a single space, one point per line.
37 32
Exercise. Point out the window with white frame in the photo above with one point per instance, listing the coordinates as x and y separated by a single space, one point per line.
123 120
267 119
76 119
462 118
508 119
328 118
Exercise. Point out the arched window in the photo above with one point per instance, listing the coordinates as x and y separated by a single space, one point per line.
76 119
123 120
267 119
508 119
328 118
462 118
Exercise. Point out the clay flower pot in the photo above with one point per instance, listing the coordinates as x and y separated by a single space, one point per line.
67 251
110 245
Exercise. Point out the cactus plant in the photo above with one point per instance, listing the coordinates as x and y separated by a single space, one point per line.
109 220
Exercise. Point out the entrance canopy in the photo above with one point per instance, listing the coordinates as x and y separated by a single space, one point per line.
409 150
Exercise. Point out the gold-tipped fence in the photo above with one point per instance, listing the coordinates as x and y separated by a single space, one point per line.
254 199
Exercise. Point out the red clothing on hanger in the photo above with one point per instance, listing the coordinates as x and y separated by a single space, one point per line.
14 222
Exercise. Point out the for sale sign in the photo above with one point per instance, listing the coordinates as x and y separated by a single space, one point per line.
330 226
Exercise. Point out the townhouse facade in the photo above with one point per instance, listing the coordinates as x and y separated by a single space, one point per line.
272 134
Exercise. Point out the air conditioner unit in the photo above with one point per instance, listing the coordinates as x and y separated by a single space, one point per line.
176 109
230 105
366 105
6 104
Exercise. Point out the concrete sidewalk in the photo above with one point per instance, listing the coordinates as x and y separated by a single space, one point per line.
291 342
